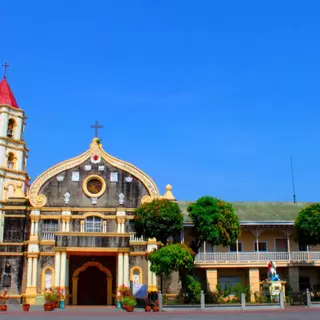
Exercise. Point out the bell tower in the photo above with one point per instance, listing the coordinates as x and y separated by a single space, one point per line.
13 150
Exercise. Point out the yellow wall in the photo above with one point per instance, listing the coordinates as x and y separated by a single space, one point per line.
248 239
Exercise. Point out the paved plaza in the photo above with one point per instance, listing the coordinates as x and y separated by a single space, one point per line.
102 313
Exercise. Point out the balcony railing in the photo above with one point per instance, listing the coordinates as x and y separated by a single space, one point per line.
133 238
48 235
234 257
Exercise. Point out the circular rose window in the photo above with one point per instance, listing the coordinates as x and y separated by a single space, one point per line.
94 186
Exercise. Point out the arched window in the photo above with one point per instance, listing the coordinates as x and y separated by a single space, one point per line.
93 224
11 124
11 159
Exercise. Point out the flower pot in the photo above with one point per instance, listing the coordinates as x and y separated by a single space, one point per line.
3 307
47 307
155 309
124 307
61 304
147 308
26 307
56 304
130 309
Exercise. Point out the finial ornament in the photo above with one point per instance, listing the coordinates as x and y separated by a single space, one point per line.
5 66
168 195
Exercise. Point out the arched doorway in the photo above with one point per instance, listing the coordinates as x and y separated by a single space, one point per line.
92 285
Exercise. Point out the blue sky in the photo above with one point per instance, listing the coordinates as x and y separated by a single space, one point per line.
212 97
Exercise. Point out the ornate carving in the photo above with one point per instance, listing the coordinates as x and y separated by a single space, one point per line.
95 148
147 199
121 198
67 196
39 201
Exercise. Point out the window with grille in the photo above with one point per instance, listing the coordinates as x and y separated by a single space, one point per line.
263 246
49 227
93 224
233 247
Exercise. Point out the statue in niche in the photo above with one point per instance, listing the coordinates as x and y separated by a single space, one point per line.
48 280
7 276
136 277
121 198
67 197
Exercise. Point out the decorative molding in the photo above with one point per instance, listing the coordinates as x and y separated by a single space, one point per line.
85 186
37 200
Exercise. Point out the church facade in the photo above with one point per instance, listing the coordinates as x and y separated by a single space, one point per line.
71 228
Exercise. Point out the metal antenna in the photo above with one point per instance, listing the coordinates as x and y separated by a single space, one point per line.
292 177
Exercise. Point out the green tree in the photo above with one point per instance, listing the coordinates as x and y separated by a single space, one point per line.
160 219
170 258
214 221
307 225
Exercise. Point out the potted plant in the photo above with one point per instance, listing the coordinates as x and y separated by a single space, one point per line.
25 305
147 306
155 306
131 303
125 302
4 298
51 299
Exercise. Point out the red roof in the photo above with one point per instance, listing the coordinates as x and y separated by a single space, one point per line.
6 95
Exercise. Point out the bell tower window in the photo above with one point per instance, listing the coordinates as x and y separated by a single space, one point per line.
11 124
11 159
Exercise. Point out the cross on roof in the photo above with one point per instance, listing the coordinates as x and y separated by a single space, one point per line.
5 66
96 126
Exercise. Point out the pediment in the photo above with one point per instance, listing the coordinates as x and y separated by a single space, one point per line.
94 156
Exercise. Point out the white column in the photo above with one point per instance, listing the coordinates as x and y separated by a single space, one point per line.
182 236
118 227
122 227
237 248
57 269
120 269
29 272
150 282
36 228
32 228
63 262
1 224
63 226
68 226
4 125
257 242
34 271
126 269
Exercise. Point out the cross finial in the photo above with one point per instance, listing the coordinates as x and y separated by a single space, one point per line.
96 126
5 66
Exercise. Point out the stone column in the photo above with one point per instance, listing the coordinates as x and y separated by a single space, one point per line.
29 272
152 279
293 276
63 225
68 224
34 271
123 226
36 226
82 226
63 262
32 227
57 269
1 223
104 226
126 269
212 279
120 269
254 281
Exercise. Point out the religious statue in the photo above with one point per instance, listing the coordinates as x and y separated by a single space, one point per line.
48 280
121 198
272 272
